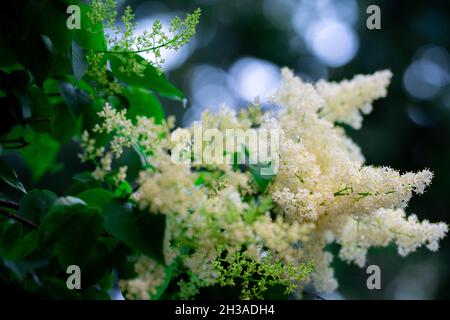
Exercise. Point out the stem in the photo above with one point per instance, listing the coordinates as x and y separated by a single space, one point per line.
299 178
343 192
142 156
138 51
363 195
22 220
349 190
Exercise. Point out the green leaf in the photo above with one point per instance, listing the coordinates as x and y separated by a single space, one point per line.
54 26
87 180
10 236
107 281
75 228
24 247
59 212
84 177
263 175
78 237
75 98
83 182
96 197
32 53
89 37
151 79
51 89
143 103
35 204
41 111
162 288
63 124
141 231
9 176
108 254
79 63
123 190
40 154
257 209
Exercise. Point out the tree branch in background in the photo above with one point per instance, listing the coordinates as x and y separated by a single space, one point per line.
15 206
18 218
9 204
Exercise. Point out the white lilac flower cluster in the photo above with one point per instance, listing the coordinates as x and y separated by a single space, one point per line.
322 178
321 193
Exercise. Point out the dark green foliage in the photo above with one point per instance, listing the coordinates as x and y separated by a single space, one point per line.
35 204
151 78
139 230
47 99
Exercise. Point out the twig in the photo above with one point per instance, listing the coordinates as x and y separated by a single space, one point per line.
13 205
9 204
18 218
138 51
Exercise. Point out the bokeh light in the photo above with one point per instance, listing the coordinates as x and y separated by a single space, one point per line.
428 73
254 77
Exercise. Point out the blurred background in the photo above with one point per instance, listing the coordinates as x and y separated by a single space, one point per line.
236 55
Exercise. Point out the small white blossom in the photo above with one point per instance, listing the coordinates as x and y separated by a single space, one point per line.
383 227
345 101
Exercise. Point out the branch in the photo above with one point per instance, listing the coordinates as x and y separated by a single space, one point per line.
18 218
9 204
32 225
